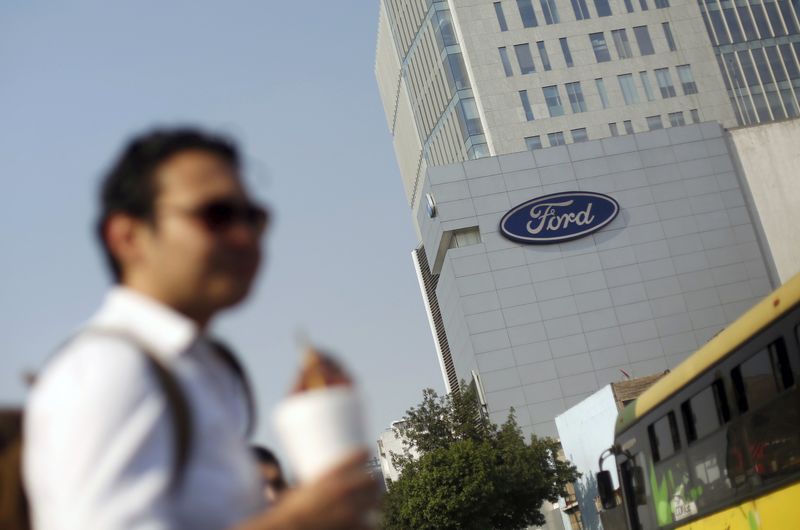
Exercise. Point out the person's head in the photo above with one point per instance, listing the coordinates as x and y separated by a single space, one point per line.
271 473
177 224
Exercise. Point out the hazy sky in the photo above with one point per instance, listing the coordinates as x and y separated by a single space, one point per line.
294 83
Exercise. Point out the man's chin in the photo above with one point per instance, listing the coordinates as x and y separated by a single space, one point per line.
232 294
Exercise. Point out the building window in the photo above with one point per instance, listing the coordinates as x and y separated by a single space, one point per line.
524 58
774 18
478 151
687 79
669 37
472 119
780 76
612 127
769 85
665 83
695 116
719 26
526 105
527 14
748 25
445 34
543 55
621 43
629 6
676 119
501 18
579 135
643 40
550 11
506 63
648 90
661 4
628 126
643 4
654 123
458 71
575 94
581 9
601 90
565 49
761 22
788 18
733 25
600 47
628 89
533 142
465 237
603 9
556 138
553 101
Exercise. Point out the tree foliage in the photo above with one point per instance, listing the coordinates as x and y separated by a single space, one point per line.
461 471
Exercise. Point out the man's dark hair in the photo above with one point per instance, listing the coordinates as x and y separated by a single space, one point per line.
264 455
129 186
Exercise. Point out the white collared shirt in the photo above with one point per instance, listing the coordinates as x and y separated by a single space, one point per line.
99 435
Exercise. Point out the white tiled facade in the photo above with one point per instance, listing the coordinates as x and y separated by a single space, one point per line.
545 326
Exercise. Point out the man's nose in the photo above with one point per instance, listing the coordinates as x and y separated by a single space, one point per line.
242 234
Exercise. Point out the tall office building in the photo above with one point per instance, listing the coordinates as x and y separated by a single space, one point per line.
495 106
464 79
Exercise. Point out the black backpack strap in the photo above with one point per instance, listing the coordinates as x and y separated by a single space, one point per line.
177 402
226 355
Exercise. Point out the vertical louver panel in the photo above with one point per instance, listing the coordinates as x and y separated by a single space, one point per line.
427 284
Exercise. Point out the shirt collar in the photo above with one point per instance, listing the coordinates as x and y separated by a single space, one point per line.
162 329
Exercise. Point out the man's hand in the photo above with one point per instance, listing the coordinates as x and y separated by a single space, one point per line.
340 500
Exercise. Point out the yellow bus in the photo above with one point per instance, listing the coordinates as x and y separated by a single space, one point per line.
715 444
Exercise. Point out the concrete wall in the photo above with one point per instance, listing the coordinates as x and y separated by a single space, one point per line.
547 326
498 97
586 430
769 158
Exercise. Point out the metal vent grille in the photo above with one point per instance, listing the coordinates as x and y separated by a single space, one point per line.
427 283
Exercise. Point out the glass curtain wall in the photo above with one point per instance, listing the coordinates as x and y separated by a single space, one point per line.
757 43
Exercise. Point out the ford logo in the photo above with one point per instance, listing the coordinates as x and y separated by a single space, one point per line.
558 217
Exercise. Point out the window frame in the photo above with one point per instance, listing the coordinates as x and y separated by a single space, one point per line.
501 16
621 43
527 14
602 53
559 105
505 61
643 40
522 52
566 52
575 97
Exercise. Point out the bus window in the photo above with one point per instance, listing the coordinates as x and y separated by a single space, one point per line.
705 412
703 415
760 378
664 439
637 489
672 492
765 388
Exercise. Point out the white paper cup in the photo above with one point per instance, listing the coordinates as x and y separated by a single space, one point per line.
320 428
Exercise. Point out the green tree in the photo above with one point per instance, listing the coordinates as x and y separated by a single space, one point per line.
459 471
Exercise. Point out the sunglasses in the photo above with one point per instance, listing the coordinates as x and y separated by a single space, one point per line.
220 215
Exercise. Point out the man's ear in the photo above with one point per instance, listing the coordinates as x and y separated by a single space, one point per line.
124 236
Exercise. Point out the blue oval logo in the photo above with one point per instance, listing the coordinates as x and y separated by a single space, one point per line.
558 217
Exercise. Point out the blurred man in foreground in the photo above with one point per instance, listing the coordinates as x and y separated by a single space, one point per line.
138 422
